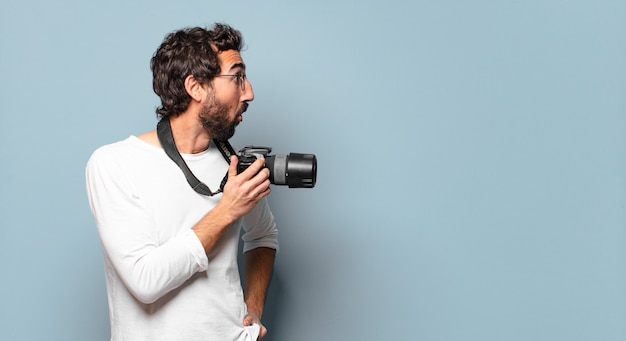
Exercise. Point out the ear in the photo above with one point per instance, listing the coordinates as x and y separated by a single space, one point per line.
194 88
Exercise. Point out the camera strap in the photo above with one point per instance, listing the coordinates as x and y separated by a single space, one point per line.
164 133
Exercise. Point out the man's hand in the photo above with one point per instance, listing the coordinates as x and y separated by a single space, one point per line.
251 319
241 193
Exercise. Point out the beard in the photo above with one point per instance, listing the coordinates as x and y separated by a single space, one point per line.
215 119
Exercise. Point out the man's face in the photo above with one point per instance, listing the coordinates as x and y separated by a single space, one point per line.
228 98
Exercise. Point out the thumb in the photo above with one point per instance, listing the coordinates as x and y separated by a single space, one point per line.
232 169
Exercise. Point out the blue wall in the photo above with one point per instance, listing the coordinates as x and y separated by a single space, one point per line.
472 161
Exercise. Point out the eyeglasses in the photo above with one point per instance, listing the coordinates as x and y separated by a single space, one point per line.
239 77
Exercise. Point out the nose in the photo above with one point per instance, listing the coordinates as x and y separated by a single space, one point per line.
248 93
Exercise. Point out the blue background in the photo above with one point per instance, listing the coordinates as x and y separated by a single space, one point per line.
472 165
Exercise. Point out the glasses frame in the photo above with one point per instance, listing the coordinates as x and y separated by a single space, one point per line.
239 77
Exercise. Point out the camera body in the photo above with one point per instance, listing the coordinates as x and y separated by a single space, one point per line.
294 170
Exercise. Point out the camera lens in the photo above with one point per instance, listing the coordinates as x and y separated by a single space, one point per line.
295 170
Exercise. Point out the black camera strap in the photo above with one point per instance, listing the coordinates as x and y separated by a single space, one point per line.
164 133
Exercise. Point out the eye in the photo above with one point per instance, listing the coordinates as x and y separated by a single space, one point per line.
240 79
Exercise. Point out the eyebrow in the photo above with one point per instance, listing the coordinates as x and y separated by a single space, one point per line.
239 65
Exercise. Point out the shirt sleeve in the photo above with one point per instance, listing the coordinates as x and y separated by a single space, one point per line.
260 228
129 236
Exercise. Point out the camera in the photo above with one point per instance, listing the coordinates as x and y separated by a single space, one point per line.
294 170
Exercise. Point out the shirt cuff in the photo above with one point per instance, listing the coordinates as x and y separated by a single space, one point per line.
196 249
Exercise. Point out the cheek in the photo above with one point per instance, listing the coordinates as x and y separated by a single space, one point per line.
233 108
231 101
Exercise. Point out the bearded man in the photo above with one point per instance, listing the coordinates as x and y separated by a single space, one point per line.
169 204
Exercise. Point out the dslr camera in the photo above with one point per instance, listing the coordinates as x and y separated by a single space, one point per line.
294 170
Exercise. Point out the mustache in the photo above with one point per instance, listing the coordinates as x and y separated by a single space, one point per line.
244 108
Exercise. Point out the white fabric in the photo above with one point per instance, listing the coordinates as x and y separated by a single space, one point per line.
253 332
160 283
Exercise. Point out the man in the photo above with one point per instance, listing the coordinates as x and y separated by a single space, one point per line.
170 253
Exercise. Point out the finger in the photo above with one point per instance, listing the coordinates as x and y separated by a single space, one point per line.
247 321
261 191
261 176
260 182
254 168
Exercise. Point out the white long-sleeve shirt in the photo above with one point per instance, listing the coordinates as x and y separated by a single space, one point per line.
160 283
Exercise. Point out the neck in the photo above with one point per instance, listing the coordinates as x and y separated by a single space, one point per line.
189 135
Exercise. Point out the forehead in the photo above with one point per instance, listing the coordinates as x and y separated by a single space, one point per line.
230 60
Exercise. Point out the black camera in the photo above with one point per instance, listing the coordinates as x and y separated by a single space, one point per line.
294 170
